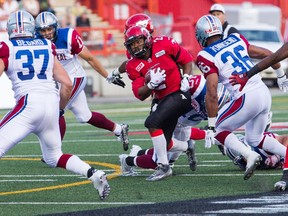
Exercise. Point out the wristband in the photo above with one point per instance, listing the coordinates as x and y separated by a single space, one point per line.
116 71
211 122
280 72
211 128
254 70
149 86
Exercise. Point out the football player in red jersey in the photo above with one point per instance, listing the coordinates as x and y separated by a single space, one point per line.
160 57
69 46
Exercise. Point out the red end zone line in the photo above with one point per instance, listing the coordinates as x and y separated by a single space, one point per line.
274 126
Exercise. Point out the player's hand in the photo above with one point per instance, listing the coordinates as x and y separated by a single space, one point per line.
185 83
115 78
240 79
209 138
158 76
272 160
283 83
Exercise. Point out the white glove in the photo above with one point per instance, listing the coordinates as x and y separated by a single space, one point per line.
112 75
157 76
185 83
209 138
283 83
272 160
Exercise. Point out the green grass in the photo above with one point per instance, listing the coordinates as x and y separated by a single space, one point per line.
215 175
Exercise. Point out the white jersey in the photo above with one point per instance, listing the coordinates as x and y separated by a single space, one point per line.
29 64
227 57
68 45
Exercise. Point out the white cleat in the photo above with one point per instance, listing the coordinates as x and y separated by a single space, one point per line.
100 183
190 152
126 169
253 161
162 171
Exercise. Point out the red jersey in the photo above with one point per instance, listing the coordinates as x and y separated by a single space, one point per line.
166 54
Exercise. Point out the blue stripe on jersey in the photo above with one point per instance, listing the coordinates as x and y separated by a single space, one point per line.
29 42
62 38
216 47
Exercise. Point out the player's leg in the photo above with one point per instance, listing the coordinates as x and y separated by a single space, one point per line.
237 114
50 142
83 114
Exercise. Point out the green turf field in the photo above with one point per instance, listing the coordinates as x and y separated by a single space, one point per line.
29 187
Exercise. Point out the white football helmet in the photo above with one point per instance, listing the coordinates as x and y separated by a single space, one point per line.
45 20
20 24
207 26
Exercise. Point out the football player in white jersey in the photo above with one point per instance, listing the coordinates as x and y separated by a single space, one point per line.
250 107
69 46
32 67
269 161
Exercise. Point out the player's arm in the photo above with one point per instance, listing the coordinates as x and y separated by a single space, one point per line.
61 76
144 92
95 64
260 53
211 100
270 60
187 68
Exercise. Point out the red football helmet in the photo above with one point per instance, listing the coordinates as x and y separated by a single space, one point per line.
142 20
135 33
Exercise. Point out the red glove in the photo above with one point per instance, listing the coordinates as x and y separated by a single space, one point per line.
240 79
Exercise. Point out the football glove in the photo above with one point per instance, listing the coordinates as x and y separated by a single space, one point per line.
239 79
272 160
185 83
158 76
115 78
209 138
283 83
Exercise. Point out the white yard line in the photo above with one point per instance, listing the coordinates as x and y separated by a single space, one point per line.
75 203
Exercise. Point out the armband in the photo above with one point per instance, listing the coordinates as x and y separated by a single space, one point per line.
280 72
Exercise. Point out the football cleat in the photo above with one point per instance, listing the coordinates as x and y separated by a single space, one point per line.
240 162
161 171
100 183
253 161
126 169
123 137
190 152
